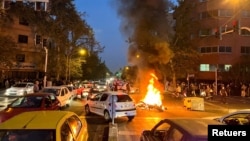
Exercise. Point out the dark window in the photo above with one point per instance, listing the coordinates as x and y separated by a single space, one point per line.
44 42
104 97
20 58
208 49
214 49
7 4
38 39
228 49
221 49
245 50
203 50
123 98
23 21
22 39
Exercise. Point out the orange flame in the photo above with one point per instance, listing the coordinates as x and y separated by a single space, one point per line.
153 96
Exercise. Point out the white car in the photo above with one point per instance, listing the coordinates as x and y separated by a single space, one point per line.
241 117
101 104
20 89
62 93
100 87
72 89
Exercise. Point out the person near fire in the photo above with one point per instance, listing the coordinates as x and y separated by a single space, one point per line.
224 95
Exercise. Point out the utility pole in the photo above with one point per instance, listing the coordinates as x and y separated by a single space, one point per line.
45 67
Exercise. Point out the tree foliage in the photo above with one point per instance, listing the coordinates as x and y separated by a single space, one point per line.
183 44
6 45
93 68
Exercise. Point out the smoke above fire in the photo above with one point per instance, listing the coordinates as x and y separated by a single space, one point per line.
146 27
145 24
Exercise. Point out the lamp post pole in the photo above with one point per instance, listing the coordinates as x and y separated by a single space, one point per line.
69 62
45 67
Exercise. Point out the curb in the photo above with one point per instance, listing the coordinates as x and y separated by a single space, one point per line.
113 132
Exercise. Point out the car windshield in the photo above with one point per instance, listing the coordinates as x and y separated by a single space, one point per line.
19 85
27 102
27 135
54 91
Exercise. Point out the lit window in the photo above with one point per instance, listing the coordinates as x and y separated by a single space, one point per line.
204 67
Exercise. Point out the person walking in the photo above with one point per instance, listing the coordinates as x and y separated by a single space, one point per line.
224 95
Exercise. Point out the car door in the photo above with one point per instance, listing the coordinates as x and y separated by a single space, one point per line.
64 96
60 96
102 104
93 103
52 103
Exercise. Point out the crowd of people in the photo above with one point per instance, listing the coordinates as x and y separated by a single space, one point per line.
210 90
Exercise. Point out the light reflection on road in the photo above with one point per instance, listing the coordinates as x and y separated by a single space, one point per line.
4 101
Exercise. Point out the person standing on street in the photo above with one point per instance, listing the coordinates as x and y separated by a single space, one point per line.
223 94
36 87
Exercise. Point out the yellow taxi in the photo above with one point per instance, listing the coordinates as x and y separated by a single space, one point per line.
44 126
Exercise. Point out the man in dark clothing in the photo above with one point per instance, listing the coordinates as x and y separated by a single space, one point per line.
223 94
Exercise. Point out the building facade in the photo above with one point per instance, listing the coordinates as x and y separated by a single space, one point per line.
223 35
29 53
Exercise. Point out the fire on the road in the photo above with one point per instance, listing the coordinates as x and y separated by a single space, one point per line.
153 97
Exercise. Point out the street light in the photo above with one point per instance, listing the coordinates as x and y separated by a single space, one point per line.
45 67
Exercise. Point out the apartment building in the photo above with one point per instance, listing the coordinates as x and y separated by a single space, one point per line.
29 56
223 35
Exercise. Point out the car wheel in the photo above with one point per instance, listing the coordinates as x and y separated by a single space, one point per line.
107 116
87 110
68 103
130 118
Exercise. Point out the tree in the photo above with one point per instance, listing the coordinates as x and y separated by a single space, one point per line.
183 45
6 42
6 45
93 68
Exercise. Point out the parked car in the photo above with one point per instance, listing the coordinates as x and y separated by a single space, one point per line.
30 102
20 89
61 92
241 117
101 104
45 126
177 129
